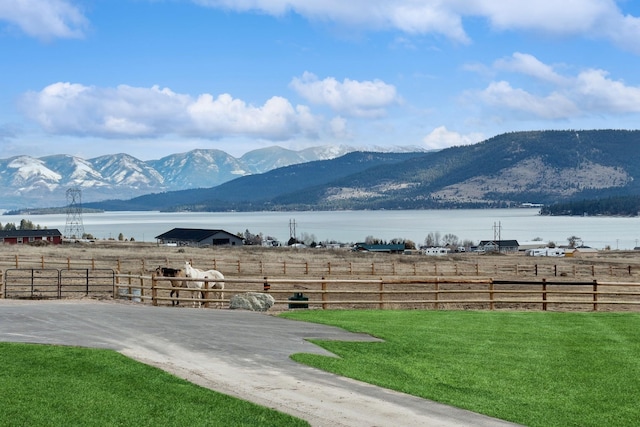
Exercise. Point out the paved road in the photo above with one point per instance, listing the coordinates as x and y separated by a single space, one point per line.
240 353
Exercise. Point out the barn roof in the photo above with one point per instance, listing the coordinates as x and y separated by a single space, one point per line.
505 243
190 234
30 233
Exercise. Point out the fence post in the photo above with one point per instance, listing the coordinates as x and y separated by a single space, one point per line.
60 284
141 289
42 262
306 268
261 267
324 294
17 263
491 294
595 295
555 270
68 263
93 263
381 295
477 269
329 268
116 287
238 265
544 294
393 268
437 289
154 290
266 286
206 294
373 268
536 269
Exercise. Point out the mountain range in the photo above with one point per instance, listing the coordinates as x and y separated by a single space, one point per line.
30 182
512 169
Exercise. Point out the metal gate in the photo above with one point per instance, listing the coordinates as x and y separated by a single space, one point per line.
49 283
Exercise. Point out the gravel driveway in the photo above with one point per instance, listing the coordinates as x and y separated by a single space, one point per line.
240 353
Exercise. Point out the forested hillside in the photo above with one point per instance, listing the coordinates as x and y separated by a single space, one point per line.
510 169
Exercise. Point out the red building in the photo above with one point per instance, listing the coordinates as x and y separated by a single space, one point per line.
14 237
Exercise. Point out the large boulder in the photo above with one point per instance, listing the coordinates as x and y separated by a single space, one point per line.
254 301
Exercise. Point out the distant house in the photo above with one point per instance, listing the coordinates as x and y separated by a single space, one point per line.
436 251
363 247
557 252
584 251
198 237
498 246
534 244
16 237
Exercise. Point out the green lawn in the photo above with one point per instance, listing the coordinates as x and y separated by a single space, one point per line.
44 385
533 368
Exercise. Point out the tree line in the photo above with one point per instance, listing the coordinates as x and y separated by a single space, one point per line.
610 206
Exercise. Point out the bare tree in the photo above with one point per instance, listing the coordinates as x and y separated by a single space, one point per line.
450 239
574 241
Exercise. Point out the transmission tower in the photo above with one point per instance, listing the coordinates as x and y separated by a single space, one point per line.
74 227
292 229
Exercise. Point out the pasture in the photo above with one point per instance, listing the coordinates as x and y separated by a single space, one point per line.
61 386
536 369
333 278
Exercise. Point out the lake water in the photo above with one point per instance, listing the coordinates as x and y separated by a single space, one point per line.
355 226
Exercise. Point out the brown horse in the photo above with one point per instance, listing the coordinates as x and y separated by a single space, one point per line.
173 272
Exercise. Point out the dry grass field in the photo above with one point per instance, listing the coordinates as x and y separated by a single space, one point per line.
355 279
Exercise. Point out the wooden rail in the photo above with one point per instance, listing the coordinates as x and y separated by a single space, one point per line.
406 265
406 293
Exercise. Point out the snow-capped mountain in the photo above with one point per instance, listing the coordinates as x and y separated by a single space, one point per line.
30 182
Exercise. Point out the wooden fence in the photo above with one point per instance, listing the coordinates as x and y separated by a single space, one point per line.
409 266
433 293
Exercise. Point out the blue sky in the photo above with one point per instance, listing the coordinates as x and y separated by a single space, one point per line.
157 77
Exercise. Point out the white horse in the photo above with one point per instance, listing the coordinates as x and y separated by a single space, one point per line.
195 273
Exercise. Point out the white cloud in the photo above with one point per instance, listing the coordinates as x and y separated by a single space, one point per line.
530 65
349 97
584 18
339 128
590 92
44 19
601 94
441 137
410 16
601 19
553 106
125 111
